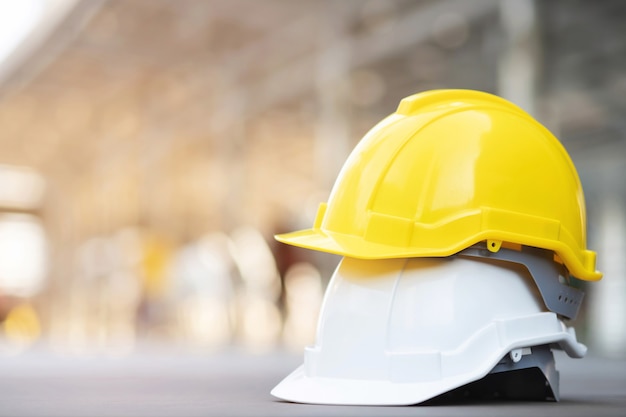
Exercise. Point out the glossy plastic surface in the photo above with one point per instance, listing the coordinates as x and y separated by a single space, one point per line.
451 168
402 331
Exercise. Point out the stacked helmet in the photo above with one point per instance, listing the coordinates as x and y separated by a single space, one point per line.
461 219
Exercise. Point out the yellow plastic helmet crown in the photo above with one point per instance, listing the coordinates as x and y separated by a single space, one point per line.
448 169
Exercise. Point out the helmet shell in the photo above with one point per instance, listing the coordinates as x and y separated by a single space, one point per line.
402 331
448 169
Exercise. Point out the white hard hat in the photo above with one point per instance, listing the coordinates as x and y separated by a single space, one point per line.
403 331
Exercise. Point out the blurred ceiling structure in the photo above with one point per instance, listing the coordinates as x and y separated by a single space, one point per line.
124 97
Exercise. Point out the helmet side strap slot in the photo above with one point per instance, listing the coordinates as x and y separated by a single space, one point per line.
559 297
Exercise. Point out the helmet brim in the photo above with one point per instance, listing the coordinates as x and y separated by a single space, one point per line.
300 388
357 247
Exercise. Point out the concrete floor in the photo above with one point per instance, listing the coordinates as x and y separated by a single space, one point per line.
155 382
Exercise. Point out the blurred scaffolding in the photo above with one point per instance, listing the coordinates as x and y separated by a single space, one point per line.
149 150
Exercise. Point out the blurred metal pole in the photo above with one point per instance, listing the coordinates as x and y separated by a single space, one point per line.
519 61
233 154
333 90
607 298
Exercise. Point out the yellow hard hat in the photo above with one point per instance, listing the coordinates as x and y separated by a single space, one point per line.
448 169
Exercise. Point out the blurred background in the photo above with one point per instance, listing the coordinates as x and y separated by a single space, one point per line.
150 149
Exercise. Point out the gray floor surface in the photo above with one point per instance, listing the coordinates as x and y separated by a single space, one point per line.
167 383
